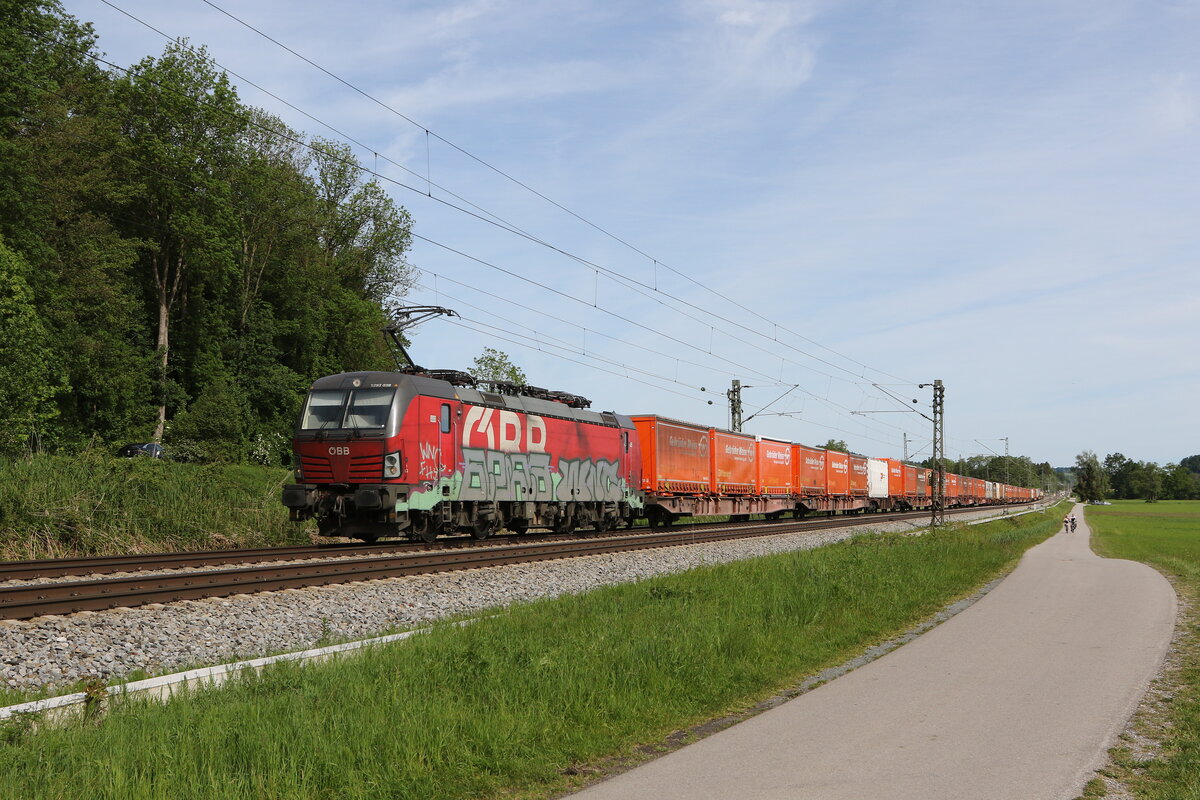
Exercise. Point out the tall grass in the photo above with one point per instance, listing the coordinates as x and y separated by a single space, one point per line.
1165 535
53 506
518 703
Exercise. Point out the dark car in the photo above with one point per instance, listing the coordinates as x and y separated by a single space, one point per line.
147 449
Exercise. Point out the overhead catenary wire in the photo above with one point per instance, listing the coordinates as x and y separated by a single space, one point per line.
355 165
485 215
591 366
548 315
494 219
656 262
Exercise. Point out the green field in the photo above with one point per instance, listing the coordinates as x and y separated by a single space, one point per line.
1165 535
529 702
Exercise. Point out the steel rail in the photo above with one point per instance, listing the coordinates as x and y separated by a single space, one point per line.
27 601
99 565
58 567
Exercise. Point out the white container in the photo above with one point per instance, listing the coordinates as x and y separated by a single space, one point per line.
877 477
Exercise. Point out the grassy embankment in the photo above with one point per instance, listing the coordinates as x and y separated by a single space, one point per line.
521 704
93 504
1165 535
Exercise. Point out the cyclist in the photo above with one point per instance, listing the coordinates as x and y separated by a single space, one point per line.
1067 524
1072 523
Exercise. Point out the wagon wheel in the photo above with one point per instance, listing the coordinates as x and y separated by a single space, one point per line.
564 524
517 526
602 524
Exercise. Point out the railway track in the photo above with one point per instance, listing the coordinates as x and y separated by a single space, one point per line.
346 564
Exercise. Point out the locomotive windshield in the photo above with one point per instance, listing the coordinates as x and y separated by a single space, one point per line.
332 409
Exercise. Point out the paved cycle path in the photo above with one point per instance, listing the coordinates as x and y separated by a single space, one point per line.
1019 697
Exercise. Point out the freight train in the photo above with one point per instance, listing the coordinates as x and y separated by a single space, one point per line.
421 454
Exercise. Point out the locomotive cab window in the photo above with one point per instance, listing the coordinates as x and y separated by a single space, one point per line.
324 409
369 408
335 408
445 421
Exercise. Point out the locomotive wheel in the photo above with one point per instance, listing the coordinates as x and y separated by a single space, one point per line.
423 528
483 528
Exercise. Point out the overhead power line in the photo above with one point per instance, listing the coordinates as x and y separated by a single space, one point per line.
543 196
489 217
616 276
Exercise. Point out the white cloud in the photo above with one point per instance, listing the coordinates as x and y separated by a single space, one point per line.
1174 105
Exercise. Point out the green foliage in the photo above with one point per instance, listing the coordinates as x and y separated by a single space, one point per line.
185 251
836 444
495 366
29 377
1091 479
1146 480
505 707
94 504
212 429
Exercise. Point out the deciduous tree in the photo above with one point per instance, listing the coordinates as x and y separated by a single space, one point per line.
1091 479
494 366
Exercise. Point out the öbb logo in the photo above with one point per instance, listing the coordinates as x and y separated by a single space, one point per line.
506 431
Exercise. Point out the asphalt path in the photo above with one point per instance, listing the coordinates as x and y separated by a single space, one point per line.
1019 696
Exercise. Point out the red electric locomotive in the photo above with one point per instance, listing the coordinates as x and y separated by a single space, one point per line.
392 453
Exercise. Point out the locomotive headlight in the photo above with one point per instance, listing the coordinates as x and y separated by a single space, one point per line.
391 465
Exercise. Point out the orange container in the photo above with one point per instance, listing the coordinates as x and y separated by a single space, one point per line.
808 464
734 462
858 476
922 482
895 478
675 458
837 472
910 480
775 467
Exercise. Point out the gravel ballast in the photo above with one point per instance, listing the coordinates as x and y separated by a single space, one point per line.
60 650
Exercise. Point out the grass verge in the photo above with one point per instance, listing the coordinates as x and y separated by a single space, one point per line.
525 703
93 504
1160 757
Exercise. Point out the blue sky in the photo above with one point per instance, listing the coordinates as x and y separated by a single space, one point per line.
1004 196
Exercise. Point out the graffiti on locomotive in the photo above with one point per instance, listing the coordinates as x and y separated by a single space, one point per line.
508 455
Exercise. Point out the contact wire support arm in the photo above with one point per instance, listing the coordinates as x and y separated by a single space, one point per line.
406 317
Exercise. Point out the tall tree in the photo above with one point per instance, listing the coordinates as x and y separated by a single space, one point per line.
182 121
1180 483
1091 479
838 445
